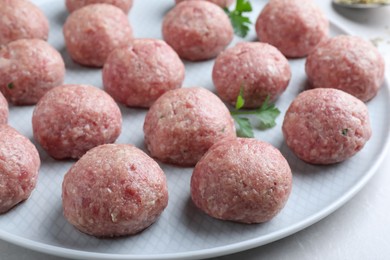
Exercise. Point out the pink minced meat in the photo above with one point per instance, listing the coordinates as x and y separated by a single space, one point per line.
114 190
19 165
137 75
124 5
325 126
259 69
221 3
295 27
243 180
21 19
348 63
197 30
4 112
71 119
93 31
28 69
184 123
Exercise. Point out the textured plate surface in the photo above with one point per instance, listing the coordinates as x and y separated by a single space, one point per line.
182 231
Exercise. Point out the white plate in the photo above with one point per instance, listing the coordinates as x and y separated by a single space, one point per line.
183 231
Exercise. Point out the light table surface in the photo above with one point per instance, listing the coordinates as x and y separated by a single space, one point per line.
358 230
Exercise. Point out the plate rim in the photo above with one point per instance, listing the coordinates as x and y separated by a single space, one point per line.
226 249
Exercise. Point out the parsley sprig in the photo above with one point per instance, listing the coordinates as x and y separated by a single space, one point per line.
240 22
266 114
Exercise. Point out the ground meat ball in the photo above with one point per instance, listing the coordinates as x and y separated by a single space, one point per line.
71 119
93 31
19 165
184 123
258 68
114 190
125 5
295 27
21 19
221 3
348 63
137 75
324 126
197 30
3 110
28 69
243 180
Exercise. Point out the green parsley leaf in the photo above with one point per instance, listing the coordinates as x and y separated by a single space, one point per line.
243 6
244 127
266 114
239 22
10 85
344 131
240 99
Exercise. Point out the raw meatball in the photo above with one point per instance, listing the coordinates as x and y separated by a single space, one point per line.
21 19
243 180
93 31
324 126
3 110
114 190
71 119
28 69
197 30
295 27
258 68
221 3
125 5
137 75
348 63
184 123
19 165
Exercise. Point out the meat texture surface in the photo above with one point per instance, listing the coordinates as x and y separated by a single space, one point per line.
184 123
295 27
124 5
71 119
325 126
21 19
114 190
93 31
28 69
197 30
4 112
243 180
19 166
348 63
221 3
257 69
137 75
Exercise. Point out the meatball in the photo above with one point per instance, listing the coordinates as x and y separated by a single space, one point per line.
93 31
295 27
197 30
184 123
3 110
28 69
259 69
348 63
325 126
221 3
71 119
241 179
137 75
124 5
114 190
21 19
19 165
